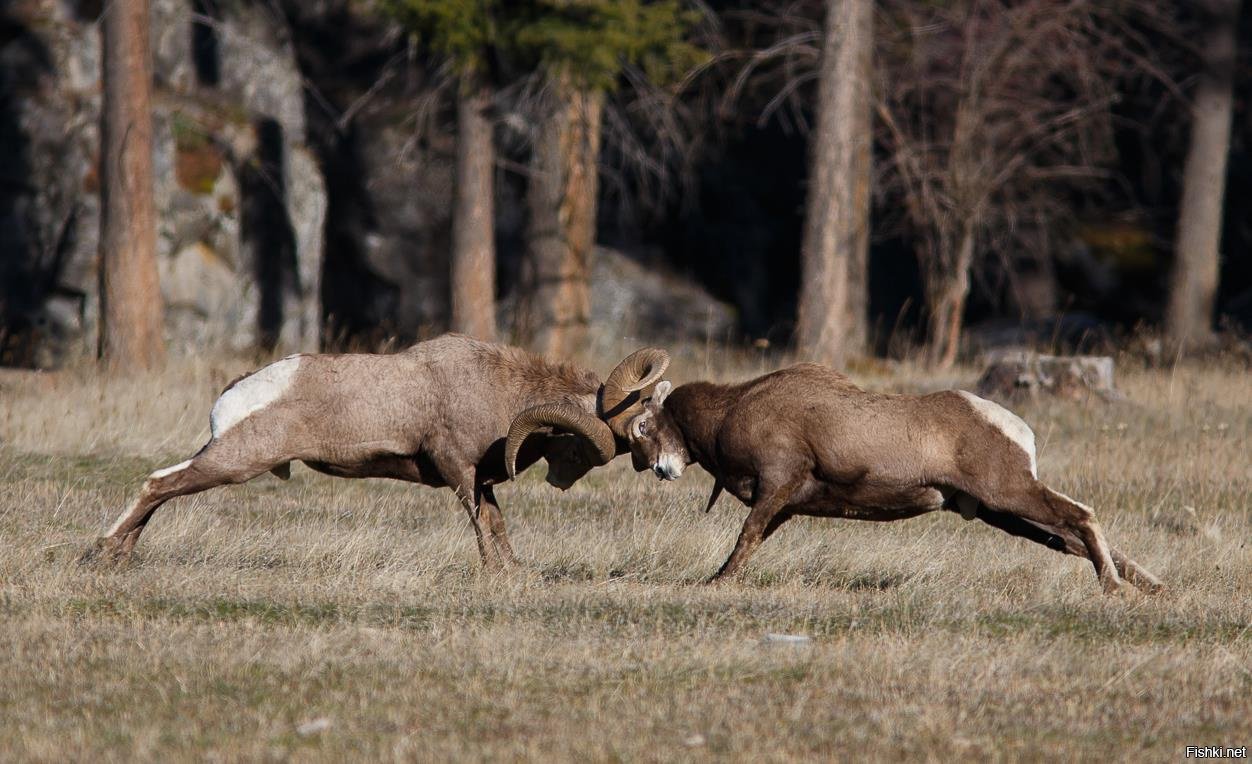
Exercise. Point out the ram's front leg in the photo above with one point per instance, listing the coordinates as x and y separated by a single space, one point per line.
464 482
492 520
486 549
764 512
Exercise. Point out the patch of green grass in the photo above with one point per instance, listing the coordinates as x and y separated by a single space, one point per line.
267 613
119 470
682 617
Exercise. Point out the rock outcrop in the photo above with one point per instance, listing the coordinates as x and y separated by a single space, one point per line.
241 202
1020 374
652 305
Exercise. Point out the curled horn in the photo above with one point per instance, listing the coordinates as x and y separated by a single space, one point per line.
630 383
565 417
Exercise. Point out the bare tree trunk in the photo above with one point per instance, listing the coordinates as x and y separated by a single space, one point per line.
1193 285
562 202
947 288
473 218
831 318
860 112
131 320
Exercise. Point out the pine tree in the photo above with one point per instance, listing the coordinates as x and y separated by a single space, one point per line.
578 50
580 47
464 32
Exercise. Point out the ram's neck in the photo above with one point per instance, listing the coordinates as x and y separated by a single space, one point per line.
573 396
698 409
554 383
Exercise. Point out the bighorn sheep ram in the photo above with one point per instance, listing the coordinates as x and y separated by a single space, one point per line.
807 441
438 414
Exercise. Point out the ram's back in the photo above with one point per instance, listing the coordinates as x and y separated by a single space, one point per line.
845 432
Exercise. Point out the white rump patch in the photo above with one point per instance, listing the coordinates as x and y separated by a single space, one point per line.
166 472
252 393
1008 423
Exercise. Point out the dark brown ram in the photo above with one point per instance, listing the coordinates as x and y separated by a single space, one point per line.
807 441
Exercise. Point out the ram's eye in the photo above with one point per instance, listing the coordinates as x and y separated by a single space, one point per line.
643 427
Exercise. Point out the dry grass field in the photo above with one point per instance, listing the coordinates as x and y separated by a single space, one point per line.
326 619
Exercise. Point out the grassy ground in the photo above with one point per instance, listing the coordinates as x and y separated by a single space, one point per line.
322 619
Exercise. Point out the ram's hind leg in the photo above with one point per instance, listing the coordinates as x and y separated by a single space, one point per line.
1066 542
203 471
1080 519
1138 576
1036 502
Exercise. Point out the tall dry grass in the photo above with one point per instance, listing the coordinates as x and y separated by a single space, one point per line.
252 611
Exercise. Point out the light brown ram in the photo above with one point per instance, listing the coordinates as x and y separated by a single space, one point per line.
437 414
807 441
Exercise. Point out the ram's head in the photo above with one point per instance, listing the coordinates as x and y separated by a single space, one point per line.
579 441
655 441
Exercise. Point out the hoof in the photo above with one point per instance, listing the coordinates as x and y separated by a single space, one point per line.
105 551
1114 585
501 566
1144 582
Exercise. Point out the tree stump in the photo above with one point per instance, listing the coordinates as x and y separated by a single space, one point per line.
1015 375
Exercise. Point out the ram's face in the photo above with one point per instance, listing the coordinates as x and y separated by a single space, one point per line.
655 442
569 457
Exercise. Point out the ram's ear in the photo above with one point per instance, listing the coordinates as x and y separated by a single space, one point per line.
661 392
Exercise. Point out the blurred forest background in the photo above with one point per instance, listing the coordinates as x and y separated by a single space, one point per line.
838 177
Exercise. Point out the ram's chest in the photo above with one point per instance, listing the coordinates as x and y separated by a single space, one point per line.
742 487
737 478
